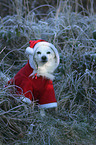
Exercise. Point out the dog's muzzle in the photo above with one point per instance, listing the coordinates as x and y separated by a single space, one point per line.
44 58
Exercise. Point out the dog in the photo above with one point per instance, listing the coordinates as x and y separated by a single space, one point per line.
44 57
34 80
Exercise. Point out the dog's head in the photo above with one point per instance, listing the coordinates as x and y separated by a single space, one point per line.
44 55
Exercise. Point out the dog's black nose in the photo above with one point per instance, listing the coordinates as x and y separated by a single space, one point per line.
44 58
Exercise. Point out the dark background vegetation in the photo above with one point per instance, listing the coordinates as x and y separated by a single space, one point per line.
71 26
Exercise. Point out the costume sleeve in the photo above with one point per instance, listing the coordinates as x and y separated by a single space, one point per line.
47 98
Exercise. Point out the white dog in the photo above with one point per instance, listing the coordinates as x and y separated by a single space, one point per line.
35 78
44 59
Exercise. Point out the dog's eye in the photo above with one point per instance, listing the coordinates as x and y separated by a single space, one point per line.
48 52
38 52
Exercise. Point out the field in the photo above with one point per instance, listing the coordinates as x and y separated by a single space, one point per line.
72 29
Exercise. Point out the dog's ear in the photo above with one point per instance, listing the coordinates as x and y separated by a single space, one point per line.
29 51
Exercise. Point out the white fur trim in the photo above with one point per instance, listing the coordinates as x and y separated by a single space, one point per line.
29 50
49 105
26 100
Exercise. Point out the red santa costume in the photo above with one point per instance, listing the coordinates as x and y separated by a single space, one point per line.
37 88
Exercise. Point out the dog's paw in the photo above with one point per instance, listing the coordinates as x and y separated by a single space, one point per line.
42 112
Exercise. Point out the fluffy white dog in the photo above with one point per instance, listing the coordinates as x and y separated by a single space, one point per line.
35 78
44 59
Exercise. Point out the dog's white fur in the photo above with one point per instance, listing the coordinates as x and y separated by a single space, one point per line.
42 68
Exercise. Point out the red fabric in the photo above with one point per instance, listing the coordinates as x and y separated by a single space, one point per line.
39 88
33 42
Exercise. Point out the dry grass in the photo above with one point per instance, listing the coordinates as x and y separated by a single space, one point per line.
74 121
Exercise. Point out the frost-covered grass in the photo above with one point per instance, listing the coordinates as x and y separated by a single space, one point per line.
74 121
